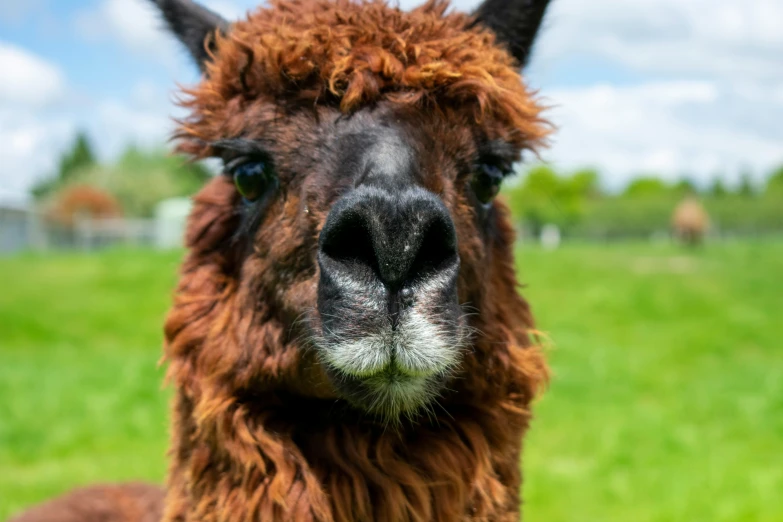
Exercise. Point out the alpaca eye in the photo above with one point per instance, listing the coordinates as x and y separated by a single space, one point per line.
486 182
253 178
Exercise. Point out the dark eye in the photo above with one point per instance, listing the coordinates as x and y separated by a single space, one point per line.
486 181
253 178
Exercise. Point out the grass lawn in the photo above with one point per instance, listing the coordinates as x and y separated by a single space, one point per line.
666 402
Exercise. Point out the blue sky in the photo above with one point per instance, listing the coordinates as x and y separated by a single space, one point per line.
670 87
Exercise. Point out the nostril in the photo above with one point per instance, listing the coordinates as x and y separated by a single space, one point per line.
437 249
394 239
349 241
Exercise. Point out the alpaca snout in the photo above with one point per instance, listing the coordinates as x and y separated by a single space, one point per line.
391 329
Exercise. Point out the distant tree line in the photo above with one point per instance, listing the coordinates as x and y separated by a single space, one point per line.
137 180
577 203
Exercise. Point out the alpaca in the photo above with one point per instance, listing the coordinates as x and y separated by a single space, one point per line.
690 221
347 340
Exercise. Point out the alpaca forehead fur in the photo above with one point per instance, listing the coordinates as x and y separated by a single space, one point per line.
350 54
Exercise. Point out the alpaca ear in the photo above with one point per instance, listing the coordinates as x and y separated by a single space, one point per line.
193 25
515 22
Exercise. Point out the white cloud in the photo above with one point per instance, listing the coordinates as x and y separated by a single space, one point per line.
119 124
135 24
666 128
29 147
28 79
28 143
694 37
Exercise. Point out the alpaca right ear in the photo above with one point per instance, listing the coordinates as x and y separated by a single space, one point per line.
515 22
194 25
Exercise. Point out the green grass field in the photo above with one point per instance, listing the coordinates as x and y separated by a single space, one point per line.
666 402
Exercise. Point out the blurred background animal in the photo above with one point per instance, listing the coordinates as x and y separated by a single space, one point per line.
690 221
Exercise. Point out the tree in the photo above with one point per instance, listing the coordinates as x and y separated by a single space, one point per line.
775 182
685 187
544 197
646 186
585 183
78 158
746 188
718 188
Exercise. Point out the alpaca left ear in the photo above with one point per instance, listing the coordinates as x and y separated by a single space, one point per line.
194 25
515 22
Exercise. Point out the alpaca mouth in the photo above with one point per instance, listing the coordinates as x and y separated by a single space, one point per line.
414 348
394 370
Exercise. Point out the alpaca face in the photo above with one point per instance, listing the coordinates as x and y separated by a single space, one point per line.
373 209
357 215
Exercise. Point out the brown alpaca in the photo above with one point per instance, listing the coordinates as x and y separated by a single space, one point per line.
690 221
347 340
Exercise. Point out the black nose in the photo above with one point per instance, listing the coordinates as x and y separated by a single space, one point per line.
401 238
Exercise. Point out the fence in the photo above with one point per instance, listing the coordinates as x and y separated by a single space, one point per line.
23 228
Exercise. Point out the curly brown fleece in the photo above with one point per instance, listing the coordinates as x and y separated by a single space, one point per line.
302 53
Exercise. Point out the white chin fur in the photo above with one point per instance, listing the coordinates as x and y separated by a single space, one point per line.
391 396
416 348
